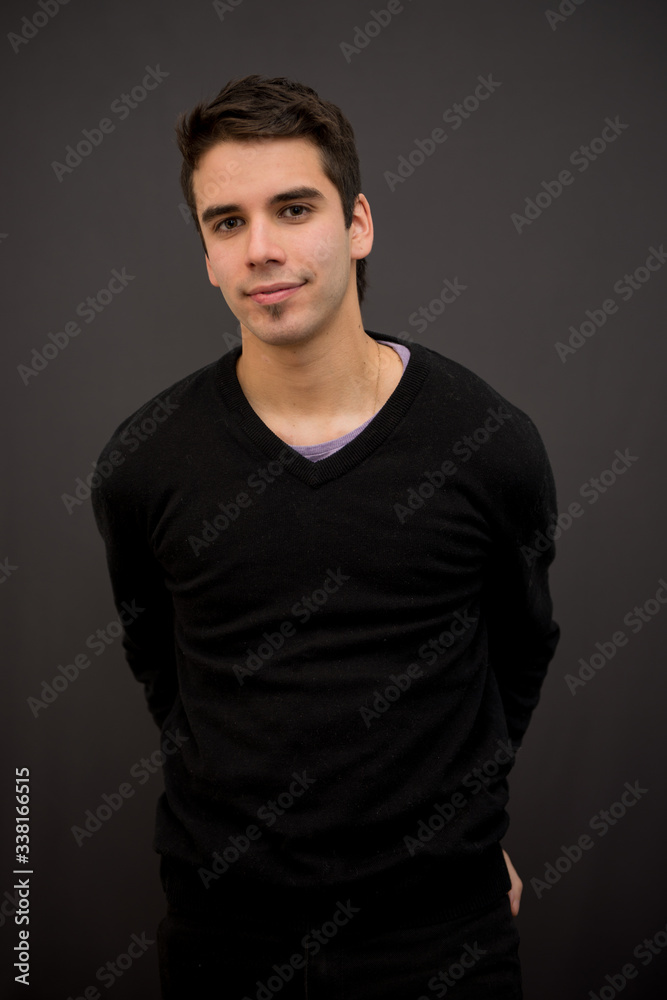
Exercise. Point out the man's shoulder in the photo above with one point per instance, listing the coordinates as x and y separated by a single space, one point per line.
186 394
455 387
477 427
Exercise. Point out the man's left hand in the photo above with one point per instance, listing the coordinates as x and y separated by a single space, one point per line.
517 885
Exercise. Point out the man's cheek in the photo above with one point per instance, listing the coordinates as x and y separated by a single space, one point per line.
238 305
325 249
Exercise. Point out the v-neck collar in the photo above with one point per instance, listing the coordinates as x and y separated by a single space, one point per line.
315 474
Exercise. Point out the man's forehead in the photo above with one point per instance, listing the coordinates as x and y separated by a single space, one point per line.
235 168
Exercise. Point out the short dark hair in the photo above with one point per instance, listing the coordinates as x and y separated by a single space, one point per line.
257 107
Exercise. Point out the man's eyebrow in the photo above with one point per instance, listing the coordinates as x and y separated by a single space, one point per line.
213 211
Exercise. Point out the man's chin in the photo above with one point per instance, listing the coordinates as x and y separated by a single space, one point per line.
279 331
274 310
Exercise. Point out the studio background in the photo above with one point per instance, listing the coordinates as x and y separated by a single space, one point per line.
455 212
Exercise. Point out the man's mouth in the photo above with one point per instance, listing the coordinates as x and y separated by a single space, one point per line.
266 294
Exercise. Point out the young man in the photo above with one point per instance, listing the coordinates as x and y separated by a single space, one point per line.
345 618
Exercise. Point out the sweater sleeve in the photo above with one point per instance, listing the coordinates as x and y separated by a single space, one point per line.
522 635
141 598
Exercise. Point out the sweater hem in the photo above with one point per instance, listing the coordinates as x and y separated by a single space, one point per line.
438 889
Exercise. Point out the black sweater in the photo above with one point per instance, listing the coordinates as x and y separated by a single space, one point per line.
347 652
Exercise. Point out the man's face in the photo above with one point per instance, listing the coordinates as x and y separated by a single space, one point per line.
276 239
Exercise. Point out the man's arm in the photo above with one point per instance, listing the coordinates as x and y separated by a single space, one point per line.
143 602
522 635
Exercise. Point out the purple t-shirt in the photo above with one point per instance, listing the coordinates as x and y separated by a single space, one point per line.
316 452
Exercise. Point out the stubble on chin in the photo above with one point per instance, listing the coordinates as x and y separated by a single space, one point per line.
275 310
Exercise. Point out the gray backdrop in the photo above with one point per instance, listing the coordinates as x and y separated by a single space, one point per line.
563 312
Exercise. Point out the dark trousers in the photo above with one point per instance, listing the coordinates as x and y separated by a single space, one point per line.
331 949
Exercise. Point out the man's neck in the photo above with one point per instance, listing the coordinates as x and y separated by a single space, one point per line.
321 388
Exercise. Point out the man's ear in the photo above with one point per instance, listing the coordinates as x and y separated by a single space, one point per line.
211 277
361 229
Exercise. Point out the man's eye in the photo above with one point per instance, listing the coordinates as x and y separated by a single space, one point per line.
223 227
301 210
